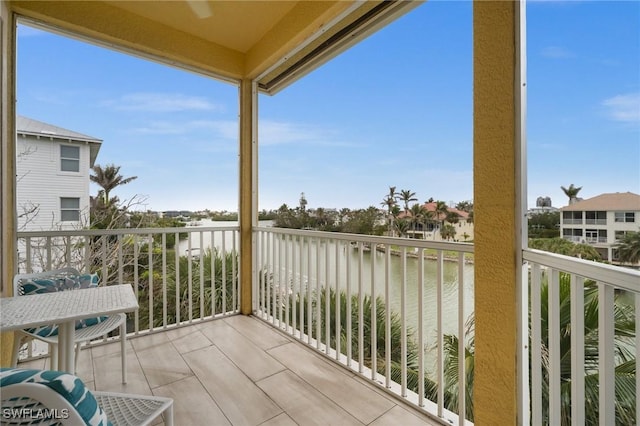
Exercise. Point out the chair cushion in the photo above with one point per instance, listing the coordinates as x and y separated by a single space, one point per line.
60 283
67 385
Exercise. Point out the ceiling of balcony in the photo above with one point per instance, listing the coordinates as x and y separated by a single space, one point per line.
275 41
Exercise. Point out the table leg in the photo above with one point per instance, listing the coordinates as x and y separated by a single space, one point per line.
66 337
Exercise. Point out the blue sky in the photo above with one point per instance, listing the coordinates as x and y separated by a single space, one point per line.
396 110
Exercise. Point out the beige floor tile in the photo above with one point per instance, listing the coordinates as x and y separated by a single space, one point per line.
333 382
159 359
280 420
400 416
107 375
262 335
192 404
242 402
303 403
107 348
190 342
254 362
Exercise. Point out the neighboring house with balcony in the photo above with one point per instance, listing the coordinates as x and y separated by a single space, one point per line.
601 221
52 171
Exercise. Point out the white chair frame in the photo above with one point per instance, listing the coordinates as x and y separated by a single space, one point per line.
120 408
81 335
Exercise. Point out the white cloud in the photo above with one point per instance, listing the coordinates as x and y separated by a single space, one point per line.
556 52
625 108
273 133
162 102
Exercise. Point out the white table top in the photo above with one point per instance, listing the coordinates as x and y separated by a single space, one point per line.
62 306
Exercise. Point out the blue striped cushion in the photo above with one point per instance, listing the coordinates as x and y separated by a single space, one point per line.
60 283
67 385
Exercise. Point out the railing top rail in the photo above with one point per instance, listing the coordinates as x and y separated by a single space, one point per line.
372 239
120 231
624 278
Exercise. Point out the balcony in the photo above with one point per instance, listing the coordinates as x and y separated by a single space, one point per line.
240 371
313 300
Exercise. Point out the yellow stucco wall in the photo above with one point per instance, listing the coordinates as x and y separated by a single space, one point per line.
495 196
246 195
7 160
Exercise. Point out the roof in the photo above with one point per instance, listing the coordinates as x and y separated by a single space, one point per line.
618 201
432 208
30 127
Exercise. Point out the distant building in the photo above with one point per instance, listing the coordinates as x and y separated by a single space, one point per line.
53 167
543 205
463 226
601 221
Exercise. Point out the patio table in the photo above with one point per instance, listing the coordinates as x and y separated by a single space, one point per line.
64 308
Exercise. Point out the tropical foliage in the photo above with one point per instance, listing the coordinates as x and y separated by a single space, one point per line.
566 247
191 291
571 192
629 248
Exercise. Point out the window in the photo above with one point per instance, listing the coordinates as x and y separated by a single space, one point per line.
619 235
69 158
629 217
70 209
596 235
572 217
596 218
572 234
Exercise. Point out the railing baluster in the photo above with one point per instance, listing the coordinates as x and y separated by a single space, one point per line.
374 315
309 294
287 281
294 288
190 278
577 351
403 321
177 278
327 299
554 347
337 298
420 302
164 280
201 272
462 354
536 345
360 310
317 295
349 313
150 259
135 278
387 314
223 287
606 361
439 332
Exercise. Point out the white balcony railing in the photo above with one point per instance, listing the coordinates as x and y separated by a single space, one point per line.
174 274
583 317
394 310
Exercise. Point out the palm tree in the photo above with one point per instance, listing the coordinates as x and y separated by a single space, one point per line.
440 213
407 196
629 248
390 201
109 178
571 192
625 362
418 216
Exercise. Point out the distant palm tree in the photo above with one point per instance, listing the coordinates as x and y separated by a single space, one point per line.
440 213
407 196
419 216
109 178
571 192
390 201
629 248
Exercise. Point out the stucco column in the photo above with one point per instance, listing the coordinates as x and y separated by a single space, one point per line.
8 161
497 203
246 209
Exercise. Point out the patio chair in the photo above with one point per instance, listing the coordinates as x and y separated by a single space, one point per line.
86 330
31 396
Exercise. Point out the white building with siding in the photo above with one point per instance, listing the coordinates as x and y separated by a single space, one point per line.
601 221
53 167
